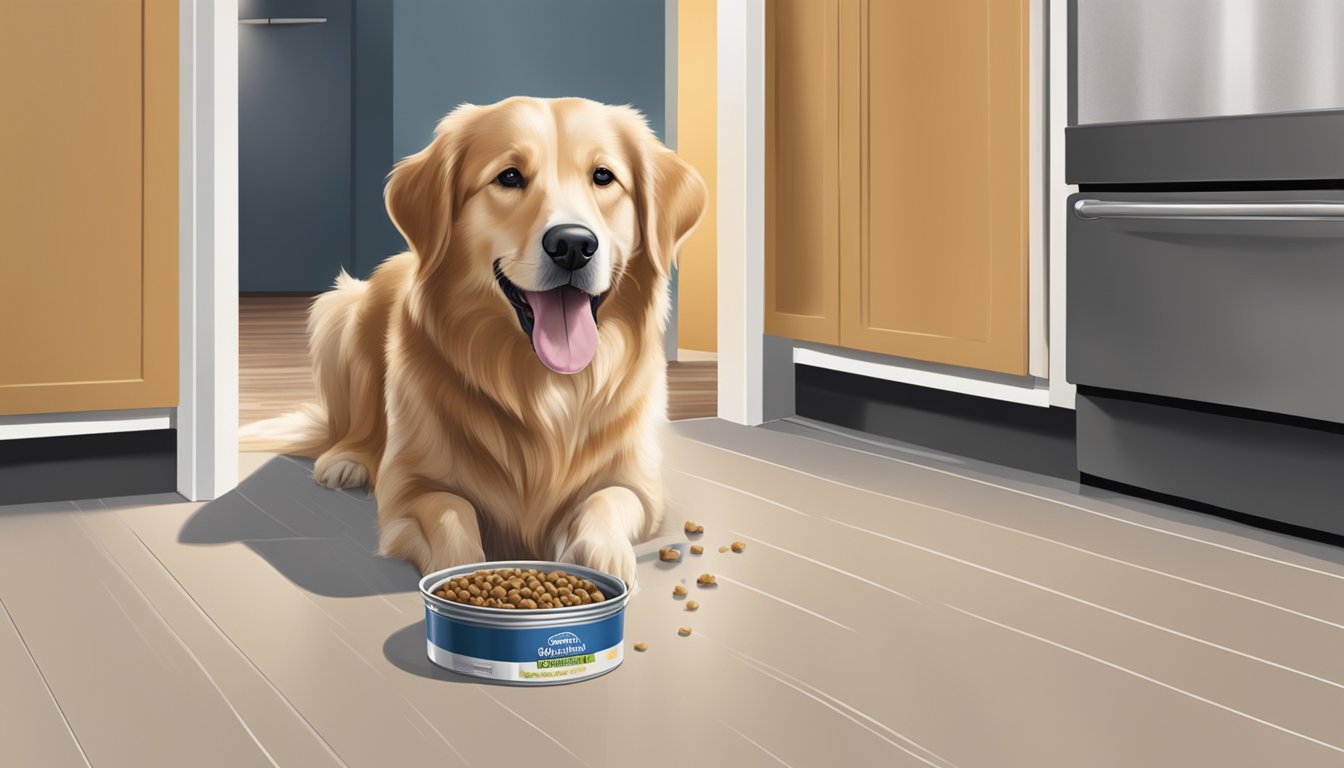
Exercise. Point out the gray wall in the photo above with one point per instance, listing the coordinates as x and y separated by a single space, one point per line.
374 236
448 52
415 60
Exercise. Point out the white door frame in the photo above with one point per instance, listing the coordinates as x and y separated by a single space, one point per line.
741 211
207 412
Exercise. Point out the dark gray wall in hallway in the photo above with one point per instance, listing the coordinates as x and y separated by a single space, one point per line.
375 236
294 134
452 51
415 60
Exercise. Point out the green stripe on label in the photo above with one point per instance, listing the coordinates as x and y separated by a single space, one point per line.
568 661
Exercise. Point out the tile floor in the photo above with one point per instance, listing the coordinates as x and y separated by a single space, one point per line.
894 607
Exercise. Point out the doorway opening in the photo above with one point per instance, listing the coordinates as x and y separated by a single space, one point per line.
332 92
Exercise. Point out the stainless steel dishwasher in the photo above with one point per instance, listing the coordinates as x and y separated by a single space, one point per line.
1206 252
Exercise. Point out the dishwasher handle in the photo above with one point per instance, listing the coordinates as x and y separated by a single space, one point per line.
278 22
1092 210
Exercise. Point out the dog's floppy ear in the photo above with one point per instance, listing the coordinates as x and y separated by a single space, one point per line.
673 199
420 193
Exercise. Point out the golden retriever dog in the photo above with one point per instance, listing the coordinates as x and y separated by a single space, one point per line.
500 386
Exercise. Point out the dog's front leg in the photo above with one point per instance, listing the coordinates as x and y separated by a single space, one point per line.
432 529
600 531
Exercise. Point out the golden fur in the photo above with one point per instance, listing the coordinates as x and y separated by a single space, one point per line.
430 390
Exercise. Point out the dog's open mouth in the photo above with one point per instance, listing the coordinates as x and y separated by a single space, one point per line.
561 322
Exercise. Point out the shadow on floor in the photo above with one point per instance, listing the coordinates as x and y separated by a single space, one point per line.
322 540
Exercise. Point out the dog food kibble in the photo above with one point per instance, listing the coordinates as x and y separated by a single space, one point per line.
694 527
691 605
696 549
723 549
520 589
738 546
641 647
706 580
669 554
684 631
678 591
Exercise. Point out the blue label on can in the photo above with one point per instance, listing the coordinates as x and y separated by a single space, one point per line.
524 644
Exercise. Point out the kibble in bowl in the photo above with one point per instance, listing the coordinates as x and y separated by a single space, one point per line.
525 622
520 589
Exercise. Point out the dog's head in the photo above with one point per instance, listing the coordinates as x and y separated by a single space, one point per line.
545 205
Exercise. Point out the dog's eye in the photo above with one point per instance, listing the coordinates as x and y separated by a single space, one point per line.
603 176
511 178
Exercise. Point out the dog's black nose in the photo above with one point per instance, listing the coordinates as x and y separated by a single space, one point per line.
570 246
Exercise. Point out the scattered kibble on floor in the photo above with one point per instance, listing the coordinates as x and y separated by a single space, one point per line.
684 631
738 546
693 527
723 549
641 647
669 554
691 605
696 549
678 591
706 580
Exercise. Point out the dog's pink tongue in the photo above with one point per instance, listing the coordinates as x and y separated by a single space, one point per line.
564 333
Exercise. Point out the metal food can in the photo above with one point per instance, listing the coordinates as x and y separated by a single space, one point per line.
545 646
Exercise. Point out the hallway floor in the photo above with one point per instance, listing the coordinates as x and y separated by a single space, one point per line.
893 607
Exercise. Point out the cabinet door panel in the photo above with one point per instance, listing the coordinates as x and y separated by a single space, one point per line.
938 270
802 206
88 205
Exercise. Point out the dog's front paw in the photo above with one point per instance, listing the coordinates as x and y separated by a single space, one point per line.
609 554
340 472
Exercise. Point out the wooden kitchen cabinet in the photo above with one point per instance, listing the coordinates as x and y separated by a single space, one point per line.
88 205
921 161
802 169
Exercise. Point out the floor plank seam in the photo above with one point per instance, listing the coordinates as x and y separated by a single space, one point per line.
241 653
1001 486
1285 563
42 675
1153 680
167 625
1096 606
1046 539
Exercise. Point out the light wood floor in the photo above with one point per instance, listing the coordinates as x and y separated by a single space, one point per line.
893 607
274 374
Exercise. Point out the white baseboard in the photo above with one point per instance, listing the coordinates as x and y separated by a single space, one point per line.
87 423
1026 390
